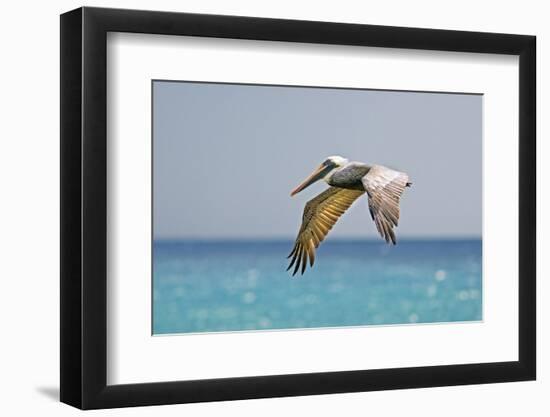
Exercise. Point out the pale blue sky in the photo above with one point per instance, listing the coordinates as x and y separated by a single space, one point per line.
226 157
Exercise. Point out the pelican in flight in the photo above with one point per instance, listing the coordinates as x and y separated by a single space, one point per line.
348 181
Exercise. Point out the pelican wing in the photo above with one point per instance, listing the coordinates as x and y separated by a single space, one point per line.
384 187
320 214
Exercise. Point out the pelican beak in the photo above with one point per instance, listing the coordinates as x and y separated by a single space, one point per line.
319 173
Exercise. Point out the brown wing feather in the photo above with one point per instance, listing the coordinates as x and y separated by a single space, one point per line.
384 187
320 214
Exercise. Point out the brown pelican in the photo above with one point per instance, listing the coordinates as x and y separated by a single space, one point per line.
348 181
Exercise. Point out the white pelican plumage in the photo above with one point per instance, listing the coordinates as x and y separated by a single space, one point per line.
348 181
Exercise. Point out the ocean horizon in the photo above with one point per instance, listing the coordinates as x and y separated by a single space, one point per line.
223 285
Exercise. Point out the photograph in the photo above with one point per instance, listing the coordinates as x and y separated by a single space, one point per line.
338 205
281 207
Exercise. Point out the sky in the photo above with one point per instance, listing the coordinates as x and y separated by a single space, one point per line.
226 156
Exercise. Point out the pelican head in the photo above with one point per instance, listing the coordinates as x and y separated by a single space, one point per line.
322 171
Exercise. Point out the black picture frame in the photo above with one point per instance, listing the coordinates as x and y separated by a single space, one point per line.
84 207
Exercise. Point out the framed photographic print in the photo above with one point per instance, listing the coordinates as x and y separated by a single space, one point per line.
258 207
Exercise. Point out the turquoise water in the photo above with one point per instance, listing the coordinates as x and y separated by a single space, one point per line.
211 286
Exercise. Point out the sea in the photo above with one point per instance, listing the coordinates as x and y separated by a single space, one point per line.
227 286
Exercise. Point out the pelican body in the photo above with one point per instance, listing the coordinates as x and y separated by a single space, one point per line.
348 181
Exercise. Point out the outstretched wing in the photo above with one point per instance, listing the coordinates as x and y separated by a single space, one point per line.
320 214
384 187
